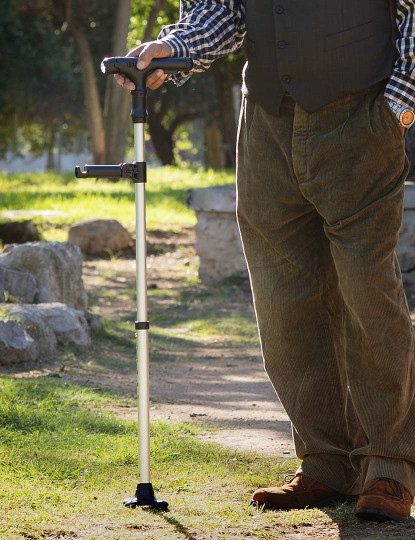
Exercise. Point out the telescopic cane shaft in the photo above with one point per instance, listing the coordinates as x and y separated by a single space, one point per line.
144 495
137 173
142 347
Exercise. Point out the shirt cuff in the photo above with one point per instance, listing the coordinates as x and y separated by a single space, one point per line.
401 89
177 45
178 49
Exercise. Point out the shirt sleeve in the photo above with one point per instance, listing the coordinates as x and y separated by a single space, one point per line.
401 85
206 31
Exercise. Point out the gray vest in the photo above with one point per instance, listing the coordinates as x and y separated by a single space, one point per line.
317 50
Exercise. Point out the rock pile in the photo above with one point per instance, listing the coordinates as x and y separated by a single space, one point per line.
56 268
43 301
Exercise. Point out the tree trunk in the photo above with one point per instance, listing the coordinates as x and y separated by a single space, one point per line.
222 76
162 140
95 119
214 143
152 18
50 160
117 100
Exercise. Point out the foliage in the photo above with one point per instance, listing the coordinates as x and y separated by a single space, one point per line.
42 97
42 88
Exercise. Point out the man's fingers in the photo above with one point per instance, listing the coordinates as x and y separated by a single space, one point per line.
146 56
154 78
157 82
129 85
145 53
119 78
123 81
136 51
154 49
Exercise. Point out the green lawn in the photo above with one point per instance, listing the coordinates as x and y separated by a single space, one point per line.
66 464
82 199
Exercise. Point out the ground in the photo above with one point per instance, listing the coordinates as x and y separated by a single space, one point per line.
207 374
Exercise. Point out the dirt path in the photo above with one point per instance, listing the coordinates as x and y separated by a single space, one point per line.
219 386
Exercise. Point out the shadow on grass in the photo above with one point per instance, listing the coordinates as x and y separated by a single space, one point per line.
350 527
210 310
178 526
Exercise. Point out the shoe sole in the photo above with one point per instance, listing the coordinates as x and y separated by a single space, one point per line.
333 501
376 514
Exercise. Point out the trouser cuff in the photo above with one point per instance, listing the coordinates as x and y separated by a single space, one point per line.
334 471
397 469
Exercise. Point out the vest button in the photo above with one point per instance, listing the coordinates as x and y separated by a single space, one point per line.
282 44
287 79
279 10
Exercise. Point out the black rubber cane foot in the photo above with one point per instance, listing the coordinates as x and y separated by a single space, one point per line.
144 496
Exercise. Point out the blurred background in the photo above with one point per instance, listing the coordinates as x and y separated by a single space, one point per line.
57 109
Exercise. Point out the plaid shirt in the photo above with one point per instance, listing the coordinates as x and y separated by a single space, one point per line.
209 29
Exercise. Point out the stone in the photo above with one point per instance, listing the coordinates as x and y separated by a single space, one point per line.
33 332
38 328
16 285
69 325
218 242
100 236
216 199
18 232
219 247
94 320
16 345
56 268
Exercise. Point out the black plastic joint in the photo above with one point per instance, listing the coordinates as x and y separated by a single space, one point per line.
135 171
142 325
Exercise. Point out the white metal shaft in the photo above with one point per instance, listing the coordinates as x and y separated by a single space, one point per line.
143 386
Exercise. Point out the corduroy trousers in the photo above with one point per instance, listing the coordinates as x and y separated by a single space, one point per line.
319 207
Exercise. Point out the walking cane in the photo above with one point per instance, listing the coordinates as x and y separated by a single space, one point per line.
137 173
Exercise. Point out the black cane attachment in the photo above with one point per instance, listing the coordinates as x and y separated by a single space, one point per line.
136 171
127 65
144 496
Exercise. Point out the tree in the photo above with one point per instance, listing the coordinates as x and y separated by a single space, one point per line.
106 124
39 97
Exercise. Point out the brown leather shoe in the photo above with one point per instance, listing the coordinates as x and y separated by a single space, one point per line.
300 492
384 499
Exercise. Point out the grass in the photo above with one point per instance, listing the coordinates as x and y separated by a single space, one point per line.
66 460
79 199
190 313
66 463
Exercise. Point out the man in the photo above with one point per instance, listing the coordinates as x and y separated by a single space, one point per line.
328 91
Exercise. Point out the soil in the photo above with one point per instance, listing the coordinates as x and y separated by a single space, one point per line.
221 386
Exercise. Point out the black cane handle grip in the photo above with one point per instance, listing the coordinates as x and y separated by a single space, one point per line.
127 65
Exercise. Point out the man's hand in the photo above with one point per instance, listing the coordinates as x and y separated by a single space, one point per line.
145 53
403 131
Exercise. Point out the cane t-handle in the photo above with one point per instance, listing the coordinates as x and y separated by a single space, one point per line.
127 65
